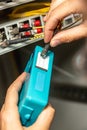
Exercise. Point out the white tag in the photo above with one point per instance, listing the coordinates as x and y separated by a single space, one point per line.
41 62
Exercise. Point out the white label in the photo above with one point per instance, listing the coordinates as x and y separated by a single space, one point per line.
41 62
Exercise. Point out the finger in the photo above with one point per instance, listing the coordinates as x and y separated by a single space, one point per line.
12 92
69 35
60 12
45 118
10 116
54 4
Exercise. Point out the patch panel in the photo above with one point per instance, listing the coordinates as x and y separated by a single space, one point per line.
20 32
2 34
71 20
24 31
4 4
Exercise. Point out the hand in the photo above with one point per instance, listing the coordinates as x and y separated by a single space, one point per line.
59 11
9 117
53 5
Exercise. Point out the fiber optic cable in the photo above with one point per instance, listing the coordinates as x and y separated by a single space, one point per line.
30 9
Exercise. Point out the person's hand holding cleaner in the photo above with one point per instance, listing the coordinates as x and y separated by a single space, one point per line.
9 116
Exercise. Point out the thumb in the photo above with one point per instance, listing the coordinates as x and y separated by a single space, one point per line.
45 119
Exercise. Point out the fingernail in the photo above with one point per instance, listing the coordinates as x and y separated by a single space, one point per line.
55 42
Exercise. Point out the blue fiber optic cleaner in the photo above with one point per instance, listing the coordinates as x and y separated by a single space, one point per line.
34 94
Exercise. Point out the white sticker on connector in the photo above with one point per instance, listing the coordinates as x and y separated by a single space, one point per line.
42 63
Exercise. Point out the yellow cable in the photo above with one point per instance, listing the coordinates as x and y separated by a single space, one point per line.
38 27
30 9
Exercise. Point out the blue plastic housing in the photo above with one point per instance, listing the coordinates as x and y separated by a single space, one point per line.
34 95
